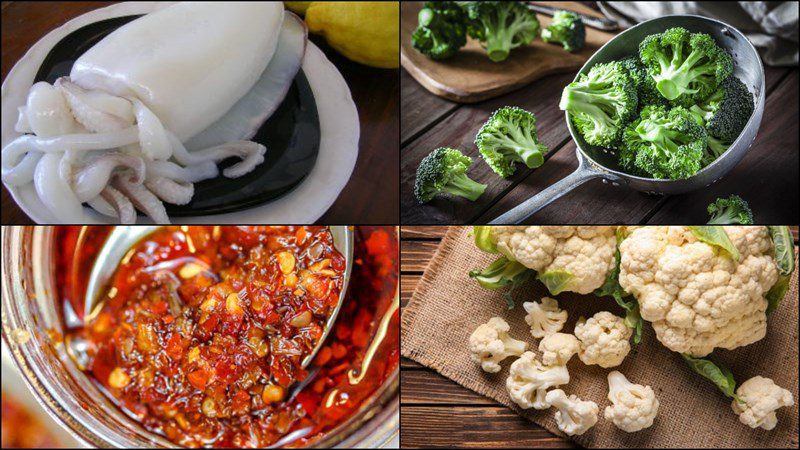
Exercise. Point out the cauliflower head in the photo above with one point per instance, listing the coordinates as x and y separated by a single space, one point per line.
489 344
604 339
529 380
558 349
634 407
567 258
544 318
574 416
696 295
761 397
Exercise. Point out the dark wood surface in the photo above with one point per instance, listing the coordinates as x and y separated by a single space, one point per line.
371 195
767 177
436 411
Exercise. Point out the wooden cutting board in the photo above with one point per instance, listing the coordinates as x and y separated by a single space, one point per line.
470 76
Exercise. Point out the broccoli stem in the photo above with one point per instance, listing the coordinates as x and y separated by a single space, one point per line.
501 37
498 46
464 186
498 40
522 147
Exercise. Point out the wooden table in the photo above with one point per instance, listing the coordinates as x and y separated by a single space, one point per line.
437 412
371 195
767 177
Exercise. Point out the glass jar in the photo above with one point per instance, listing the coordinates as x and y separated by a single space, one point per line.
33 329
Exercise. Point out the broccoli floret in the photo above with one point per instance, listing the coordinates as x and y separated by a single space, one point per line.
646 91
687 67
601 103
510 136
442 30
714 150
729 211
501 26
663 144
727 111
566 29
445 170
724 115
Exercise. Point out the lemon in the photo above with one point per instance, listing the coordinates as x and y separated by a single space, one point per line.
298 7
365 32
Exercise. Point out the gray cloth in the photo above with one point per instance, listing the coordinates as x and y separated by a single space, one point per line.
770 26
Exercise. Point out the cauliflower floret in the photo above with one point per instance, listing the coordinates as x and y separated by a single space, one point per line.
761 397
696 295
529 380
574 416
490 344
604 339
567 258
545 317
634 406
558 348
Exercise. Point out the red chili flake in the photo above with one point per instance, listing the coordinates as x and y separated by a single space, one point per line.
323 356
175 347
339 350
198 379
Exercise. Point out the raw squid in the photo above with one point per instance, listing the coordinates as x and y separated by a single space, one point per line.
150 109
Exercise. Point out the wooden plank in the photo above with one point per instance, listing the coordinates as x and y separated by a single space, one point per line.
408 285
423 232
419 109
472 427
407 364
415 255
426 387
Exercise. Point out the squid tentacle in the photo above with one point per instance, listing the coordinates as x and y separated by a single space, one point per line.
94 176
19 161
170 191
46 113
152 135
141 197
120 206
95 110
55 193
251 154
187 174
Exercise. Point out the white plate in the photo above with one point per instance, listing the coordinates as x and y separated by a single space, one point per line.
339 133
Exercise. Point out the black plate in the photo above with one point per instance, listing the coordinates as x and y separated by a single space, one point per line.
291 135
